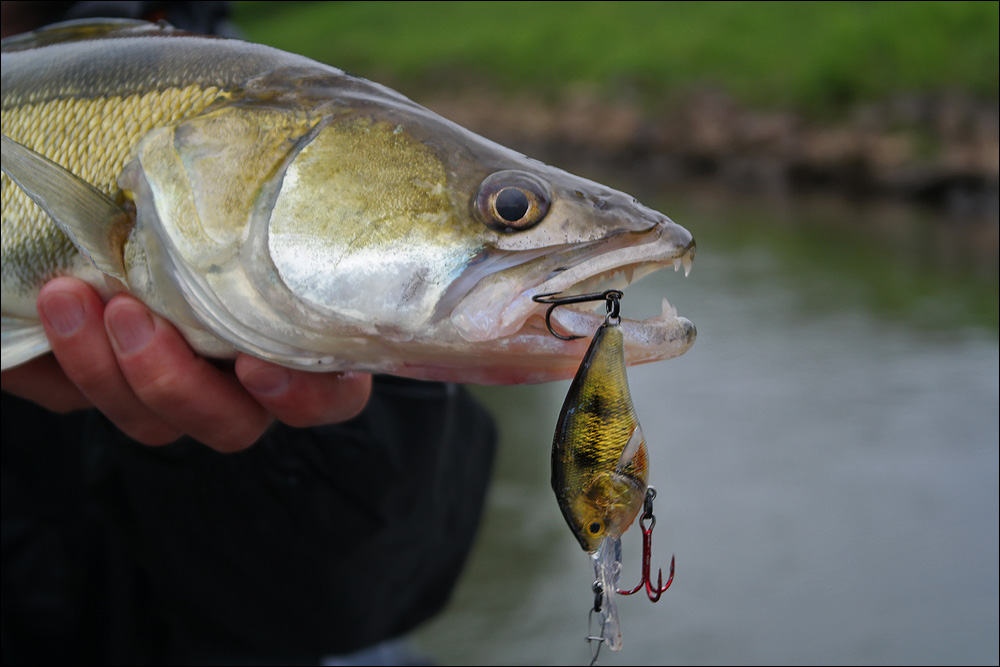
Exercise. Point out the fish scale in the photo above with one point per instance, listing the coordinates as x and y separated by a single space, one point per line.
92 138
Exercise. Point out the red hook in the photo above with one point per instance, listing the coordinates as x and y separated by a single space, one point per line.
654 592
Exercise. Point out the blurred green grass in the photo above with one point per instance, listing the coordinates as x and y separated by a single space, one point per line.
818 58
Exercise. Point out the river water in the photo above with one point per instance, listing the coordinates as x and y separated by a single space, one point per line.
825 456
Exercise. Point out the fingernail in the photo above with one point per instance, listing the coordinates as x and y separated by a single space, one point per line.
268 381
64 312
131 327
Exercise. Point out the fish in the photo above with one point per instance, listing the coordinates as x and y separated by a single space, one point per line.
272 205
600 465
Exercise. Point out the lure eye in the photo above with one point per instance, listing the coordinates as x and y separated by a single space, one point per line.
511 201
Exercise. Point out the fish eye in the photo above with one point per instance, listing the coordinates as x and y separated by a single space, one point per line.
512 204
595 528
511 201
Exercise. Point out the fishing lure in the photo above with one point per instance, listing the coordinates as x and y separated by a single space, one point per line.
600 465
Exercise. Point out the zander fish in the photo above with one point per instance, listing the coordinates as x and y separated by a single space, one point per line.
269 204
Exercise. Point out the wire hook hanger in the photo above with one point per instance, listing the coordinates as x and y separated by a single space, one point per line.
611 297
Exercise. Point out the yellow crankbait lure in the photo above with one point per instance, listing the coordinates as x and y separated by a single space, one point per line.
600 465
599 460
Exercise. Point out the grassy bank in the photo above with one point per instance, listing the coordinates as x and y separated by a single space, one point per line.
817 58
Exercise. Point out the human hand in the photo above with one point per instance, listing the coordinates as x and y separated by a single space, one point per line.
137 369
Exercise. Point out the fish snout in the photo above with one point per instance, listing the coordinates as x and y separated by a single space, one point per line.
676 240
679 237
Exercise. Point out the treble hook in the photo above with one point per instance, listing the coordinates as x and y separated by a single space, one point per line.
611 296
654 593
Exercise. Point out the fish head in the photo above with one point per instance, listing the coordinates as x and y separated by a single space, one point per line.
607 507
369 233
584 238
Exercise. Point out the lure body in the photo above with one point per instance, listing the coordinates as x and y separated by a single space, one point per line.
599 459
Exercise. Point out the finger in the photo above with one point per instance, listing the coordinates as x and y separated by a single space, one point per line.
43 381
301 398
181 387
72 314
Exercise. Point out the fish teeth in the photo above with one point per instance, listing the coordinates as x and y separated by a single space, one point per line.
667 311
677 264
686 261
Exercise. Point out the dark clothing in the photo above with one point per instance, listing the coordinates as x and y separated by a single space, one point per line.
312 542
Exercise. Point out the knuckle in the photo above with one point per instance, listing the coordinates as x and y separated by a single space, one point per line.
150 433
93 378
238 436
161 387
343 399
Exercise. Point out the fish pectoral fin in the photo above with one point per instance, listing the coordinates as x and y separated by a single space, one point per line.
22 341
96 225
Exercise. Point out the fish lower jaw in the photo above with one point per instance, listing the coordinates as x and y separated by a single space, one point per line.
656 338
533 355
662 336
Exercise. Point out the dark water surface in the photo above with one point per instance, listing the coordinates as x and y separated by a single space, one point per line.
825 455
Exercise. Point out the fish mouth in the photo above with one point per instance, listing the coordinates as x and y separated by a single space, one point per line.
604 272
662 336
518 326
